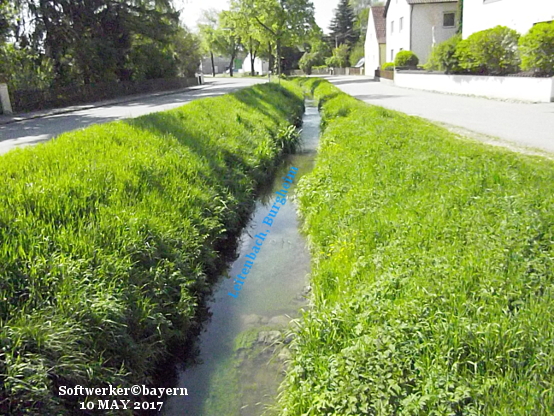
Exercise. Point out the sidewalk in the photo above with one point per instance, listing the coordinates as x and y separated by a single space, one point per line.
8 119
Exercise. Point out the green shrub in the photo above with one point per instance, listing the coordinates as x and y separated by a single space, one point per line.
110 237
537 49
443 56
309 60
489 52
388 66
432 272
339 58
406 59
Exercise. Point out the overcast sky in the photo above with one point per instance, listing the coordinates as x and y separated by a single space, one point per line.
191 10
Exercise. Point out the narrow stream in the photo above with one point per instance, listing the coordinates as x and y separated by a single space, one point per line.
242 349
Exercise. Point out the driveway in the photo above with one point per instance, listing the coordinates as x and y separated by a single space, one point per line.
36 130
520 124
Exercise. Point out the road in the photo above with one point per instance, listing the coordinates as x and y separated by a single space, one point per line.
521 124
516 124
37 130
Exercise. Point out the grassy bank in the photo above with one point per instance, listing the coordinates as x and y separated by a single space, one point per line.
110 236
433 263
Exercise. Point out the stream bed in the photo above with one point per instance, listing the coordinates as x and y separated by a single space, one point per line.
242 351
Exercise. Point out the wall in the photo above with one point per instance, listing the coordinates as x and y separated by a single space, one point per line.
516 14
371 47
424 18
399 39
515 88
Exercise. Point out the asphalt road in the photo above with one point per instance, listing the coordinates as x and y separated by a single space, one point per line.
524 125
37 130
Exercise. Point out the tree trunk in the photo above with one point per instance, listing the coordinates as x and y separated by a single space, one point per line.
252 58
232 64
279 59
270 50
213 64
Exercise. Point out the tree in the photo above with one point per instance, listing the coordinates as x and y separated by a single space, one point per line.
227 36
284 22
342 28
208 33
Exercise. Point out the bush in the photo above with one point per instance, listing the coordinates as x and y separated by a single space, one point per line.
308 61
339 58
489 52
443 56
537 49
388 66
111 235
406 59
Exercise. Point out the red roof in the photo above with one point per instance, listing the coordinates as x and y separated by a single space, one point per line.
378 13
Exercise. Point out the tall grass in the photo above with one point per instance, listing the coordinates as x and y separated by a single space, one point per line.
433 272
110 236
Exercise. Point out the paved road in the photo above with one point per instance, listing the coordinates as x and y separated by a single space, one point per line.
527 125
28 132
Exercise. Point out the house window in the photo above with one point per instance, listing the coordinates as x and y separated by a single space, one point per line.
392 27
392 55
401 24
449 19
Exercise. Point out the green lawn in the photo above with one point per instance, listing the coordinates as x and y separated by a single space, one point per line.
110 236
432 272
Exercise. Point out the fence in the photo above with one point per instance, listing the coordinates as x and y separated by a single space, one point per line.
329 71
384 74
29 100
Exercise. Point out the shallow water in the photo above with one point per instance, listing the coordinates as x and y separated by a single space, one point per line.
242 350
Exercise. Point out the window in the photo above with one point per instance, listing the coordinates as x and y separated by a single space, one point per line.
392 55
392 27
401 24
449 19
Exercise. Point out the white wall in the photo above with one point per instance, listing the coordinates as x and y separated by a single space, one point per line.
516 14
515 88
424 18
371 47
399 39
260 66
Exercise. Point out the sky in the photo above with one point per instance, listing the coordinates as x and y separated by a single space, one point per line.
192 9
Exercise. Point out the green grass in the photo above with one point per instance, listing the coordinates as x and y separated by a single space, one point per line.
111 236
433 267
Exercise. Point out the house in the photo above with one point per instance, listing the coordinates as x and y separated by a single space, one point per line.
484 14
261 67
418 25
375 40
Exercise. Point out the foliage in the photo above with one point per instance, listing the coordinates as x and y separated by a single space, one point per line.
537 49
309 60
112 235
388 66
23 69
357 53
443 56
284 23
339 58
406 59
489 52
102 40
432 272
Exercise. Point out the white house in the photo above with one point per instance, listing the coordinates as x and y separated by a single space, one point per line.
261 67
517 15
417 25
375 40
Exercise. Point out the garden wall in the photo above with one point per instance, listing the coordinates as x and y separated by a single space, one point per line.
516 88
